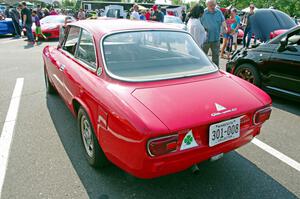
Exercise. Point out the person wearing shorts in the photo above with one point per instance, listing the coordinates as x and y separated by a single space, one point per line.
235 26
38 29
227 34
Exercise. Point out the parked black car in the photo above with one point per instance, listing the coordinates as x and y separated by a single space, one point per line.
274 66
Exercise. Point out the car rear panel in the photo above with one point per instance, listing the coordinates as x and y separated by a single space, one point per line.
139 163
183 108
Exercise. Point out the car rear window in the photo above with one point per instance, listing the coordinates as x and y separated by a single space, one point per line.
154 55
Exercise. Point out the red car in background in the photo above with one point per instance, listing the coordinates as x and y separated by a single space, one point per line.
240 36
148 99
275 33
52 24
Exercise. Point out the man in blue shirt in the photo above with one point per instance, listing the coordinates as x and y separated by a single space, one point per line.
212 20
248 29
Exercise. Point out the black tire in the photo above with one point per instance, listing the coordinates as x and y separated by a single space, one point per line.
249 73
49 87
93 152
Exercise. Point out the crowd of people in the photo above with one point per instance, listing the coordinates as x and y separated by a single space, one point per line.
207 25
23 18
204 24
153 14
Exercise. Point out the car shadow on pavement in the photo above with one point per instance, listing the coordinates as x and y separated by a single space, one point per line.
6 36
231 177
286 105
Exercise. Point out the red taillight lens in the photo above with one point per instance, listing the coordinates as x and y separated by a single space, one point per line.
162 145
262 115
245 122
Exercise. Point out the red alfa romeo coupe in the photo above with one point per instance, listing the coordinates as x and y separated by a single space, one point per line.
148 99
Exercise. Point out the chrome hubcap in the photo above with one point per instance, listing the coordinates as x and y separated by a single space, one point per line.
87 136
246 74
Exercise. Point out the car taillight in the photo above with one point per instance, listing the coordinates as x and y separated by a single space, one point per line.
262 115
162 145
245 121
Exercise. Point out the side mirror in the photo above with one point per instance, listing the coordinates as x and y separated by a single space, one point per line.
283 45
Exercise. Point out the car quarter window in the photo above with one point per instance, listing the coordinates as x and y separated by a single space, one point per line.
72 40
86 49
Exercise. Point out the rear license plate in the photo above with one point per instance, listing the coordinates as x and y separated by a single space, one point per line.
224 131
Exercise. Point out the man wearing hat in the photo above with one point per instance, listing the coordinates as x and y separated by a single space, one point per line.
157 15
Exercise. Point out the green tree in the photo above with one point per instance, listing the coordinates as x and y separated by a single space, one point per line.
145 1
291 7
68 3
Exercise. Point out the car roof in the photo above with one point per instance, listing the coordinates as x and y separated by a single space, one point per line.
276 20
102 26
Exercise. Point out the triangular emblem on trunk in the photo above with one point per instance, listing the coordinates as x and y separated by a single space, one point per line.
219 107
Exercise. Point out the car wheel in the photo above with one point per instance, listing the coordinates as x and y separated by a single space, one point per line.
93 152
49 87
249 73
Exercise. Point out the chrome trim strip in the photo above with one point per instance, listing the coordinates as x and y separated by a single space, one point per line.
284 91
141 30
284 77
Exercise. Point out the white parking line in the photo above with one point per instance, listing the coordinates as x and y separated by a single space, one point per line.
289 161
8 129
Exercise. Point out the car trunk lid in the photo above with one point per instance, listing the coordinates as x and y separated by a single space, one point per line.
192 104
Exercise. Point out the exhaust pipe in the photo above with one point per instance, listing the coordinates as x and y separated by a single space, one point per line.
195 169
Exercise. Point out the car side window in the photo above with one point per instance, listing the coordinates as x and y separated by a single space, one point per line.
294 39
86 49
70 44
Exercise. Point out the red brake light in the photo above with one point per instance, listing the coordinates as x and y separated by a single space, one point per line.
245 122
262 115
162 145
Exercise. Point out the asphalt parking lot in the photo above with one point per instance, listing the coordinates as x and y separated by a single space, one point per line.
46 158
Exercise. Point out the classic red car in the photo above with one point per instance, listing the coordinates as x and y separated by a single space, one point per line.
148 99
52 24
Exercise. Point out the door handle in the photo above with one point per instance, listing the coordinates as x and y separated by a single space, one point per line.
62 67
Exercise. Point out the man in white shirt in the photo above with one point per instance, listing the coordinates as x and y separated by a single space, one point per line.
135 13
